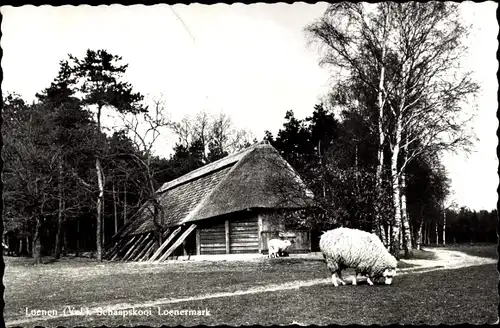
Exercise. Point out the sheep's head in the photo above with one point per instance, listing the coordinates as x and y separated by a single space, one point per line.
388 275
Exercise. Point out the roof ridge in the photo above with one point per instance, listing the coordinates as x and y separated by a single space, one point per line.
202 203
206 169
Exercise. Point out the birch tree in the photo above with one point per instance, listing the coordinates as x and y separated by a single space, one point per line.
353 40
413 51
428 92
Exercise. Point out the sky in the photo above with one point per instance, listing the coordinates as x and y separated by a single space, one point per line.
251 62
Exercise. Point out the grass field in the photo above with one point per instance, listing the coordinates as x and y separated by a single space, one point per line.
443 296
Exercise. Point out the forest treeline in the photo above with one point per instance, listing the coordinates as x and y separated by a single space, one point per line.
370 152
70 183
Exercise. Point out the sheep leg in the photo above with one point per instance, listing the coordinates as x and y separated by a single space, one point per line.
340 277
334 279
369 281
336 272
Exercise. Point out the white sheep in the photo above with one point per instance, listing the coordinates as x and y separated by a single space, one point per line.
278 246
344 248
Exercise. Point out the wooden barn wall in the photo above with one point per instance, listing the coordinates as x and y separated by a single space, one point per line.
271 226
212 237
237 233
246 232
244 235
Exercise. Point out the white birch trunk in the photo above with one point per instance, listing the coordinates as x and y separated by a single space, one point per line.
378 224
444 227
404 218
396 224
100 199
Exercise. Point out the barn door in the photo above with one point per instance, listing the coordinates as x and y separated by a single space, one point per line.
244 236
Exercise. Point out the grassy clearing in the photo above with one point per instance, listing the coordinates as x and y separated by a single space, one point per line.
448 296
465 295
92 285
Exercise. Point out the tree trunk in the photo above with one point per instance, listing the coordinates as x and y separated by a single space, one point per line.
100 201
65 240
444 226
404 219
437 234
37 246
125 204
60 217
412 233
100 197
428 233
158 221
114 208
77 252
395 190
381 141
419 233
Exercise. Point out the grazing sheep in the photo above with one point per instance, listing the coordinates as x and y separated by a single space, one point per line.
344 248
278 246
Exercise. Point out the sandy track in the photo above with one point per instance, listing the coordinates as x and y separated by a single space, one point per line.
445 259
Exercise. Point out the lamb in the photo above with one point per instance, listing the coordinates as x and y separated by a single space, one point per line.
278 246
344 248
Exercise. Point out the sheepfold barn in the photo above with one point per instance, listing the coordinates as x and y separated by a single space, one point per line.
231 206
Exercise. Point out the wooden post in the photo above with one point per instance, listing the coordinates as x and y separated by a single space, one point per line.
228 245
176 244
198 242
150 250
259 224
132 251
144 250
120 250
165 244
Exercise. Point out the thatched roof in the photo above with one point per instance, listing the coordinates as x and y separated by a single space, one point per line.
256 177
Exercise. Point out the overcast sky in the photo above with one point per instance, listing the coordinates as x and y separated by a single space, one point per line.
249 61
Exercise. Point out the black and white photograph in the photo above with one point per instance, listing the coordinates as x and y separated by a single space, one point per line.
329 163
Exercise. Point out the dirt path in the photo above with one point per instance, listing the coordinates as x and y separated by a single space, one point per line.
449 259
445 259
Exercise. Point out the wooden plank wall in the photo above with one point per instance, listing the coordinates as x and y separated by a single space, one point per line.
213 239
244 236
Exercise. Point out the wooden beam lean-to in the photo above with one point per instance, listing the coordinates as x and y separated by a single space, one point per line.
118 246
132 247
150 242
149 250
131 240
141 247
110 250
198 242
146 251
177 243
135 246
165 244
